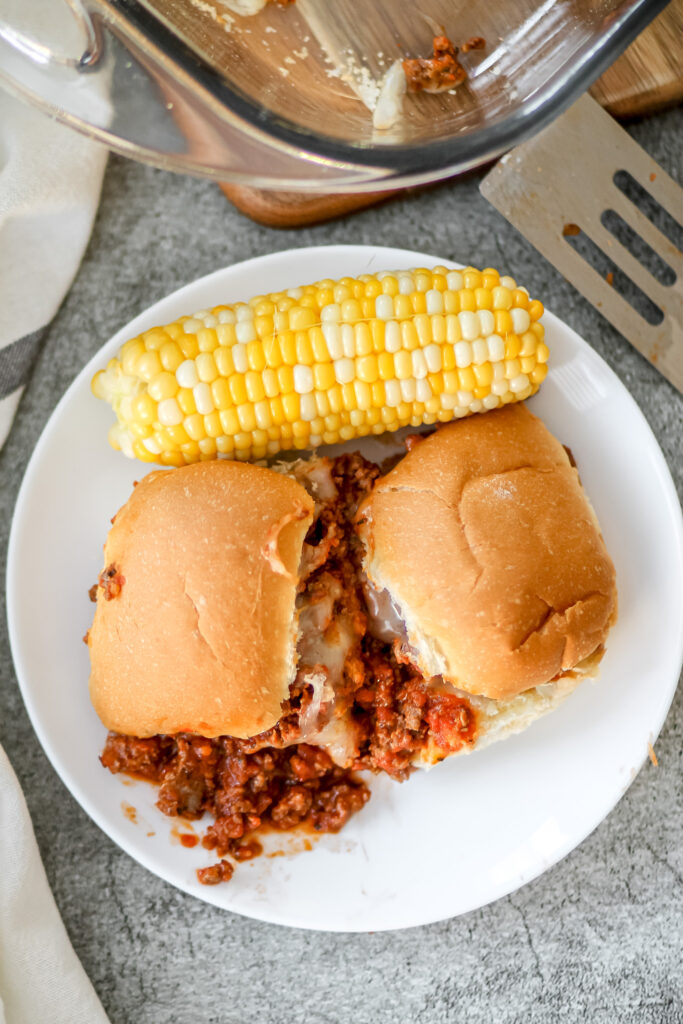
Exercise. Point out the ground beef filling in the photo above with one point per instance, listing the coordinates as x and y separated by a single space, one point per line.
243 791
436 73
111 581
273 781
398 715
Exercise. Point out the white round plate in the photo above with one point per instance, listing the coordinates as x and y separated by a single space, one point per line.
476 827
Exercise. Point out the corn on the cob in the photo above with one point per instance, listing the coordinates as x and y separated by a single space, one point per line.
325 363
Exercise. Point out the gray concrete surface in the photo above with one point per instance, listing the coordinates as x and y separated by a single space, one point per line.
597 938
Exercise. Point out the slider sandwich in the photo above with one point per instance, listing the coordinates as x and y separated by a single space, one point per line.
486 567
262 634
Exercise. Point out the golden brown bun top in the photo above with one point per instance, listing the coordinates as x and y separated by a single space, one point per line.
201 637
486 541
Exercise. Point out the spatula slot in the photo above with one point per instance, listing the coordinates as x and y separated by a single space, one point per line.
613 220
610 271
631 240
648 205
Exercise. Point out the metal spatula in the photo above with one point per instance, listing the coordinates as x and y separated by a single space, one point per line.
567 191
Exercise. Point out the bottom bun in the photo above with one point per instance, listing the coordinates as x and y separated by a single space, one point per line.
499 719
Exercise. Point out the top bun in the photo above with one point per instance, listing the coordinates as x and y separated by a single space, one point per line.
201 637
486 542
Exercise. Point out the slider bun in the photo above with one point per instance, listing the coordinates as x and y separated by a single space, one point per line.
201 637
486 542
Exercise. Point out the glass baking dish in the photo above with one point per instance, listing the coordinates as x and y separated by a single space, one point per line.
283 98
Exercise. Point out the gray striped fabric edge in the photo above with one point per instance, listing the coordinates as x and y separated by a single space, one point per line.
16 361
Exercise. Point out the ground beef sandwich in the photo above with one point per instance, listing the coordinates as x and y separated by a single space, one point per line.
271 632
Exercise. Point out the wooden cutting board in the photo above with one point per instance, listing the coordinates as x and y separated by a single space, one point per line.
647 77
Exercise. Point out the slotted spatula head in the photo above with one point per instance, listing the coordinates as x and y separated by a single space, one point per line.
561 191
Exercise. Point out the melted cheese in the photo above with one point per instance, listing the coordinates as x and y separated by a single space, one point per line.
384 617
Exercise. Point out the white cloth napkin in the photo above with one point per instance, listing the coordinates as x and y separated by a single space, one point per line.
50 181
41 978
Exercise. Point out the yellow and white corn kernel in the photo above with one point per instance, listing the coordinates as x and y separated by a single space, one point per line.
324 363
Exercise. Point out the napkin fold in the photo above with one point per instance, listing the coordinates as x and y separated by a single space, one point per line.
50 182
41 978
